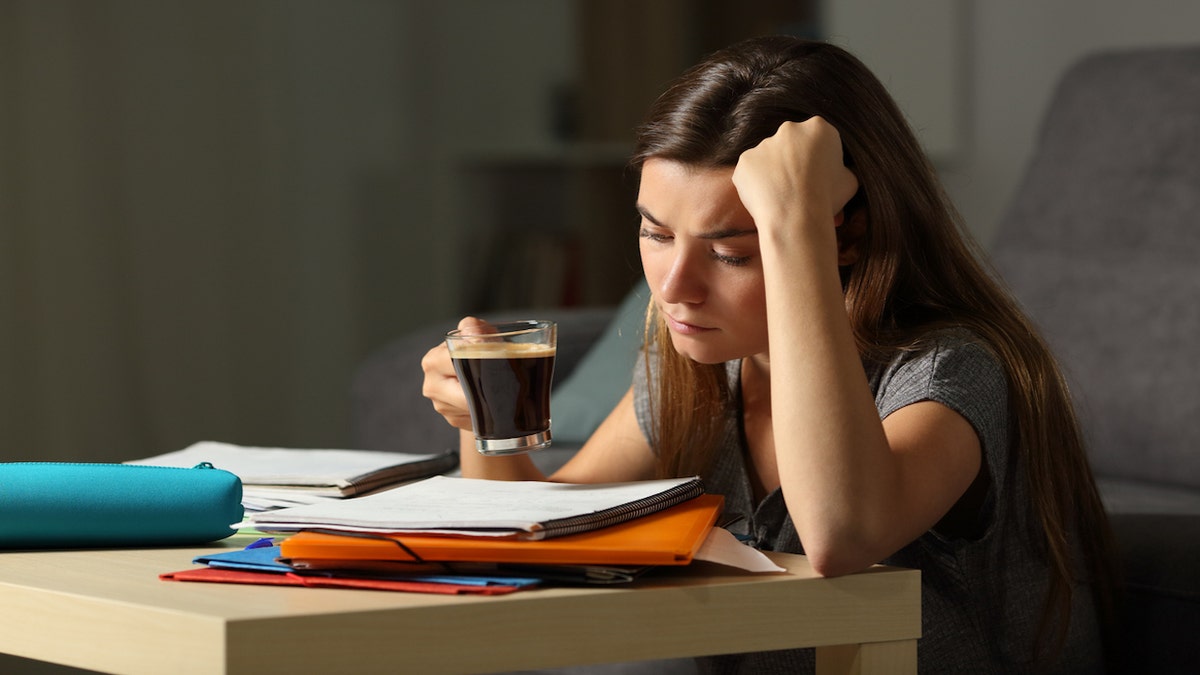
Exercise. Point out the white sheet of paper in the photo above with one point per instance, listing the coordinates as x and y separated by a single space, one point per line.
723 548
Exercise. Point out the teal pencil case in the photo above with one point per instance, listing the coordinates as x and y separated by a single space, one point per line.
85 505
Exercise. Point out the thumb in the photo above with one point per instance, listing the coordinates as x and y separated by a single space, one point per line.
471 325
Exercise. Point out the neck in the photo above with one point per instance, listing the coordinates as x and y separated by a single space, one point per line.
756 378
760 364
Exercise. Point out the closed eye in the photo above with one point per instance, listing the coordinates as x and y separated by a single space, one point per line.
731 260
661 238
654 236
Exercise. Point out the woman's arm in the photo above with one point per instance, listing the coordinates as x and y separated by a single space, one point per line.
616 452
857 489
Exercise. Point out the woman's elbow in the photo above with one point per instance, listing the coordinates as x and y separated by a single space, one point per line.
832 559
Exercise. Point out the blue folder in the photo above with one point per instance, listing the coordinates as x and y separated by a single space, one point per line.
266 559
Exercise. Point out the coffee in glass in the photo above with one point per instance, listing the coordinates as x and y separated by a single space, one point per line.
506 370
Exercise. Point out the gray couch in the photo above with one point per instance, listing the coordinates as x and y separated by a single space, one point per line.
1101 245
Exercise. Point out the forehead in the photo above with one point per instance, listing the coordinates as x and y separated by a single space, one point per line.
675 193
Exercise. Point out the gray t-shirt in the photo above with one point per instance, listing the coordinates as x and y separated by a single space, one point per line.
982 594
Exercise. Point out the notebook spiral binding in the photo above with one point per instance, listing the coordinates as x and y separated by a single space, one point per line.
618 514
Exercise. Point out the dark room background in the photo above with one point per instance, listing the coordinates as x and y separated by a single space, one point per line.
211 212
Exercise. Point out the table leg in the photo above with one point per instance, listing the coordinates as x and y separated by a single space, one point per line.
873 658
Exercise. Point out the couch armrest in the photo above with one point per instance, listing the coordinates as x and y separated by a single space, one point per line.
387 410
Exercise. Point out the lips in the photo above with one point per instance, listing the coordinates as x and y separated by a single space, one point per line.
685 328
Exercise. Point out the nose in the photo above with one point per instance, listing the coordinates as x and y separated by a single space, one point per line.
684 282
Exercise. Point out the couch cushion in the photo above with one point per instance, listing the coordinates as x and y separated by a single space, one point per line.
1139 497
1101 245
586 397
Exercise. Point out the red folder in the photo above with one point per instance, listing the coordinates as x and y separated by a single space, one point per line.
669 537
223 576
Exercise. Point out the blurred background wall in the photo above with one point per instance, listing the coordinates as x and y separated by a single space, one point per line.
211 211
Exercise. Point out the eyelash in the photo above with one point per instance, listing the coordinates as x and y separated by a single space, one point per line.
732 261
653 236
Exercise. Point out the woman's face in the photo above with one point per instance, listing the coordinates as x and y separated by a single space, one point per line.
700 255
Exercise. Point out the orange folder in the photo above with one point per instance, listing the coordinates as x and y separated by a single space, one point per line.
669 537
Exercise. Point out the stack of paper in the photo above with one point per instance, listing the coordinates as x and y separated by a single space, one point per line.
672 537
668 537
605 529
274 478
462 535
476 507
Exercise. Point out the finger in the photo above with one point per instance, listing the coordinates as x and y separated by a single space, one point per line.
845 188
436 362
440 390
441 384
455 417
471 325
441 381
448 401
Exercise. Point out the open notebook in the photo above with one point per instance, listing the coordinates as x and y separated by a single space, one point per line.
470 506
284 477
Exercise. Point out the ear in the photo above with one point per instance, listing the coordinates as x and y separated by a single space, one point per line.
850 235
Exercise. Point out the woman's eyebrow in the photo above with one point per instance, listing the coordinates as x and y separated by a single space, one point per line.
729 233
643 212
725 233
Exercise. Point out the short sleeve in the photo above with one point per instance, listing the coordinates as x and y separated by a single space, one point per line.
962 374
641 396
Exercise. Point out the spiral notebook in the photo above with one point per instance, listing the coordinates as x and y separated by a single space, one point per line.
475 507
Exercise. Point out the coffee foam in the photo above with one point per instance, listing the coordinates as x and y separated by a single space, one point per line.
493 350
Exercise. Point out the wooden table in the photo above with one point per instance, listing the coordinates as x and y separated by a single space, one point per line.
107 610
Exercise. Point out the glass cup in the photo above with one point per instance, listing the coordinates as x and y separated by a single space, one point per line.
505 370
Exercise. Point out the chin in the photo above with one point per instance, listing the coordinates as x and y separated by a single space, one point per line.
700 353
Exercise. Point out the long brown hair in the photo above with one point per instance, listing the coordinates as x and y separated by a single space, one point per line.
918 270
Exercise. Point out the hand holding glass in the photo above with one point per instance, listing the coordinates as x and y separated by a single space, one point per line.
505 371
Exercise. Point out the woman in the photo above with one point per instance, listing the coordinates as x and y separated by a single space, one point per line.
827 351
